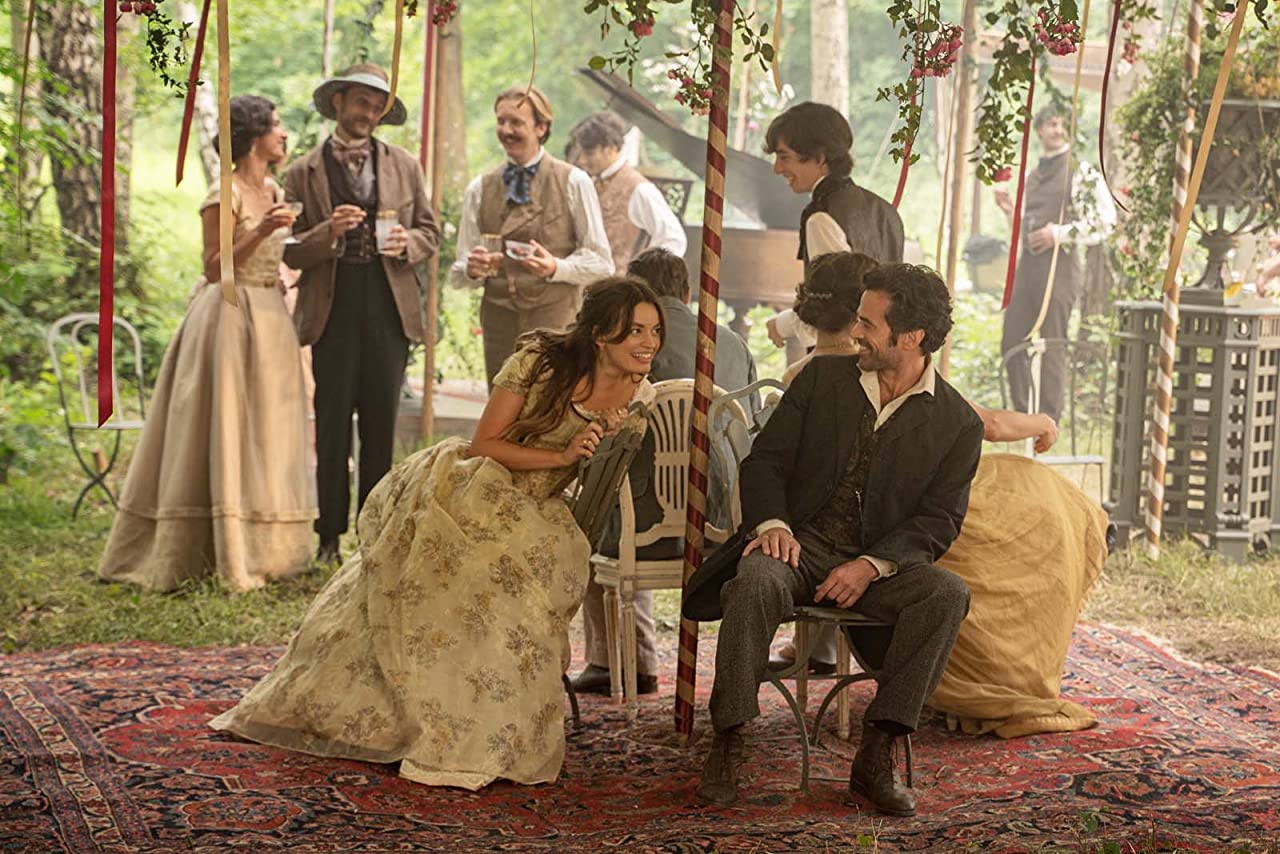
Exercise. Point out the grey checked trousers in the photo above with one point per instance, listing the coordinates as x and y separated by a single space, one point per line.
925 603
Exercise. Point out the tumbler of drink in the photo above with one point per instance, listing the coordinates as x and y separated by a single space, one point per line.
492 243
387 220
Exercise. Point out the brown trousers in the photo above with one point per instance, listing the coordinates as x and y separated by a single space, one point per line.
502 325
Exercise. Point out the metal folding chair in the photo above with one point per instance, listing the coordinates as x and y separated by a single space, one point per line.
72 342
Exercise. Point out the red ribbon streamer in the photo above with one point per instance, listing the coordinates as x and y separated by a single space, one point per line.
193 80
107 247
1102 115
1014 245
906 157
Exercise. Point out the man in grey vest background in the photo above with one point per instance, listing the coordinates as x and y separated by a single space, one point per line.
1063 203
636 216
542 220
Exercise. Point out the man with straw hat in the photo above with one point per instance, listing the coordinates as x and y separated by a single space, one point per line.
531 234
365 228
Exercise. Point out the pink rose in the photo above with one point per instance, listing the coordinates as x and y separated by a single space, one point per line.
1002 174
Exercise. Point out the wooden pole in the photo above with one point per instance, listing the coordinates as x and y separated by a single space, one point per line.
704 372
432 115
967 83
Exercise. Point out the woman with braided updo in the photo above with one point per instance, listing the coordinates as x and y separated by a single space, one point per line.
219 484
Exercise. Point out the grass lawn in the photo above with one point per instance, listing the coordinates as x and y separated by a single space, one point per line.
50 596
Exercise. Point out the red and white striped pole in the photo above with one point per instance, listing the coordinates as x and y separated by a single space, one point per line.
708 301
1186 188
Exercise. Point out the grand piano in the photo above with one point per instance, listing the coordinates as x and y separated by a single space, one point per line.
758 263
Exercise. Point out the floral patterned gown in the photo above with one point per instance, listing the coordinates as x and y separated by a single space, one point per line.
441 643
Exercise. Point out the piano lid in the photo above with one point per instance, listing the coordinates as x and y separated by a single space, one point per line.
750 185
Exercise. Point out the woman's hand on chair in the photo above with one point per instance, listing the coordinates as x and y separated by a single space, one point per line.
1048 434
613 420
583 445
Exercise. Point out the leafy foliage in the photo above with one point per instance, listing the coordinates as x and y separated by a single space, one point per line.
1151 122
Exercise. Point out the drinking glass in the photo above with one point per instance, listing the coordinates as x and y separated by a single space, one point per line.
294 207
387 220
492 243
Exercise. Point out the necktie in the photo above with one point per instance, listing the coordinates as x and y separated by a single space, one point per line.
517 179
352 155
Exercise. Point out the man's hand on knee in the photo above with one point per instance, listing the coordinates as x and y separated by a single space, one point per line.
847 582
776 543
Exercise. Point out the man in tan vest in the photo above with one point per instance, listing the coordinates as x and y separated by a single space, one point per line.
547 217
636 216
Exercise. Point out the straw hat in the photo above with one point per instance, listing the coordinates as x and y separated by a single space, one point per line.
365 74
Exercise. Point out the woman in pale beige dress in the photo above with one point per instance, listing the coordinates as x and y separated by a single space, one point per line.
1031 546
219 483
442 642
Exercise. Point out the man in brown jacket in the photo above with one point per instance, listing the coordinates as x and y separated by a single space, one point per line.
359 303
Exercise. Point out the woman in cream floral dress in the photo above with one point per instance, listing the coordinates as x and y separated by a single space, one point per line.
441 643
219 483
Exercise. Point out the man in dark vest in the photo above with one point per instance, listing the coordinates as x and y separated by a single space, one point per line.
636 216
545 218
811 145
855 488
359 305
1063 203
735 368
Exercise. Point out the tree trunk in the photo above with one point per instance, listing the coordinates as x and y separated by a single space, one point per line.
71 42
453 141
829 65
32 155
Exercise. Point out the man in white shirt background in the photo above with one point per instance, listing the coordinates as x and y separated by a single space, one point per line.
636 216
531 233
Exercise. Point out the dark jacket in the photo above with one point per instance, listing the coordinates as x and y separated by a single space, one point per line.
735 369
917 490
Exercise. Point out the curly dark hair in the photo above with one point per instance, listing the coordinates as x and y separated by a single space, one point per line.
565 358
661 270
828 298
810 129
918 299
599 130
250 119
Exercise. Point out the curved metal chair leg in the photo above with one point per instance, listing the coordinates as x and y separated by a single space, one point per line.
804 732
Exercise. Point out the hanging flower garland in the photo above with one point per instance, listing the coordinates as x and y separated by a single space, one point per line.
166 42
692 69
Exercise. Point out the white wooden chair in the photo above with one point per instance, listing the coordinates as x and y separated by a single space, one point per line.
73 345
670 416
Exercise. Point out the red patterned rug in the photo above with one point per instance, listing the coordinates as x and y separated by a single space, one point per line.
105 748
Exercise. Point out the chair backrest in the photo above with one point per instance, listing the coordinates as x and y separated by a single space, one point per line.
1079 394
600 477
670 420
73 349
732 434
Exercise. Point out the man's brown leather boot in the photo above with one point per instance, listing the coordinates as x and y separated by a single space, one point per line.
874 773
719 783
